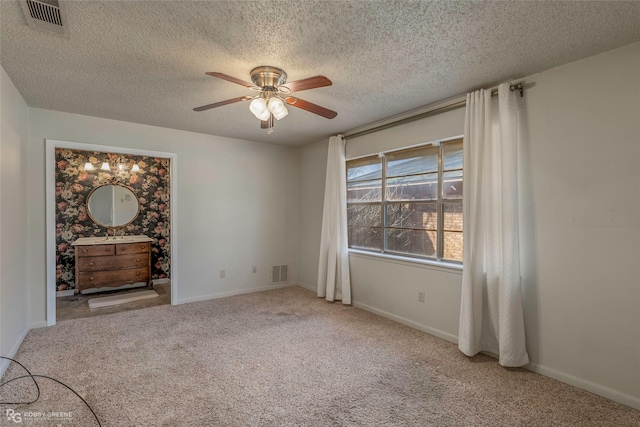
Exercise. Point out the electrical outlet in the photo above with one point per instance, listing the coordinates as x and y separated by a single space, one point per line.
254 269
420 296
222 274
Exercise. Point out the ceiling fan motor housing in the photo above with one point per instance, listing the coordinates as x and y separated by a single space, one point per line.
267 76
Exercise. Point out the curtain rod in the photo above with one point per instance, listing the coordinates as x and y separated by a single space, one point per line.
432 110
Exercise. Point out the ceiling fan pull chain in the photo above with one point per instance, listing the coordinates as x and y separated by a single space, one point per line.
270 131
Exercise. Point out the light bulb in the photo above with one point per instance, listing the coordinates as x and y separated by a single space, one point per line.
265 115
259 108
105 166
277 108
135 168
88 166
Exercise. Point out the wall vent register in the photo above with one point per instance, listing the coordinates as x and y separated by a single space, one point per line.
280 274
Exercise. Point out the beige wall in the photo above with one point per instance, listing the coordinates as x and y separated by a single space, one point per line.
14 116
579 155
237 203
313 163
580 222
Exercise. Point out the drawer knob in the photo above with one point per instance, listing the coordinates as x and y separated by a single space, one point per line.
137 259
91 263
84 251
91 278
107 249
141 246
138 273
123 248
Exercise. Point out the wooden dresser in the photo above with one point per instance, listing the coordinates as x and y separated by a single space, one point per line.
113 262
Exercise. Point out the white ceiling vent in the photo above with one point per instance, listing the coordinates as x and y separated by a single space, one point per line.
46 15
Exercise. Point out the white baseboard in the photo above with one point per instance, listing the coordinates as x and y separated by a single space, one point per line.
161 281
309 287
436 332
312 288
36 325
232 293
4 364
583 384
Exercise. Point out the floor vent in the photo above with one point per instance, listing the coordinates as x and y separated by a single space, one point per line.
280 274
46 15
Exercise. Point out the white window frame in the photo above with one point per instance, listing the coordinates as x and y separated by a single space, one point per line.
438 260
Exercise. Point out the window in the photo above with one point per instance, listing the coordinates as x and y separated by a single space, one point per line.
408 202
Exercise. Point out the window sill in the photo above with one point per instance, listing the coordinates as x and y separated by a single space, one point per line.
447 267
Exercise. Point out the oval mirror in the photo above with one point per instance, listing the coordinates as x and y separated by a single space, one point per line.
112 206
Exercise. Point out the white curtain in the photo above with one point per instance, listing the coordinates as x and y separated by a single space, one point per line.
333 268
491 316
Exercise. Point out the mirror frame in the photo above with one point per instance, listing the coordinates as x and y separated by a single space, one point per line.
112 227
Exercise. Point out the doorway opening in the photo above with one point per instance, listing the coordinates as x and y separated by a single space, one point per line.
103 246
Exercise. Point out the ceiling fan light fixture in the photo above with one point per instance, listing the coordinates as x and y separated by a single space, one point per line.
259 108
277 108
270 103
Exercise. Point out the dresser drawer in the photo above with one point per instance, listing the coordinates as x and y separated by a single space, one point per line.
95 250
112 278
121 262
127 248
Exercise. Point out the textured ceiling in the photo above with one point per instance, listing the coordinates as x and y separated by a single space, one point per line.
144 62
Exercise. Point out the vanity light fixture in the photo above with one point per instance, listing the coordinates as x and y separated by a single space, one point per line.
120 167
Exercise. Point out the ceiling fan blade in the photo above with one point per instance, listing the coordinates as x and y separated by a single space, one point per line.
221 103
310 83
230 79
266 124
310 107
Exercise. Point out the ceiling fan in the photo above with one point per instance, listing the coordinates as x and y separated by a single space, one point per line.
271 83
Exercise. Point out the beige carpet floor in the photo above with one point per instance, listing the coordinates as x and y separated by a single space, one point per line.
283 358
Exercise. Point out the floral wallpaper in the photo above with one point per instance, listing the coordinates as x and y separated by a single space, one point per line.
73 185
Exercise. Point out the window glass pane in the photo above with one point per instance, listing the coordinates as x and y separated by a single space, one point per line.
453 245
370 215
452 216
417 187
411 162
452 185
364 191
412 215
414 242
365 237
452 155
363 169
